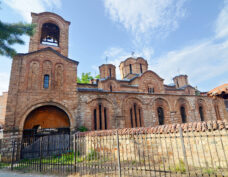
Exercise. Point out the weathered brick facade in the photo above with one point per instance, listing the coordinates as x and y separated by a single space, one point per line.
47 77
3 101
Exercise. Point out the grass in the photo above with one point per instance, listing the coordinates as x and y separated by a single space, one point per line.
180 167
209 171
67 158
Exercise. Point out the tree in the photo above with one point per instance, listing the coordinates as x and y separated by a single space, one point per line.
10 34
85 78
97 76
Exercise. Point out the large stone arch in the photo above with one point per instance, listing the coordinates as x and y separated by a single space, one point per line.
182 102
44 104
133 112
201 103
107 112
164 104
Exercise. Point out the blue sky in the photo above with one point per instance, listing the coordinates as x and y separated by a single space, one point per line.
175 36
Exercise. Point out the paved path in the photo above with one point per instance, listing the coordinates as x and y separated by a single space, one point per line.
14 174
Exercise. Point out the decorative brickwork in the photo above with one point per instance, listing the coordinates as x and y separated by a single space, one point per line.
45 77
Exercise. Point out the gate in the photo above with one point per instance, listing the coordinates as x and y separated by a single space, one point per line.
46 142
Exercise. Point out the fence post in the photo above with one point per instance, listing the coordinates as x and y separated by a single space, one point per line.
41 139
183 149
12 160
118 151
75 153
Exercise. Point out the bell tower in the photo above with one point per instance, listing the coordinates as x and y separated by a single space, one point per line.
51 31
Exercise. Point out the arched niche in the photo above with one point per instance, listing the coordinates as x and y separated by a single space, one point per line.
46 117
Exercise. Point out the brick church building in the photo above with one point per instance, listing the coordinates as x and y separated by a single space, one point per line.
44 93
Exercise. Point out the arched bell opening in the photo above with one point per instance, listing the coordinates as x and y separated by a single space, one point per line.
46 120
50 34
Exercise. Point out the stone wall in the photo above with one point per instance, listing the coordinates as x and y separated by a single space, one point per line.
204 145
118 103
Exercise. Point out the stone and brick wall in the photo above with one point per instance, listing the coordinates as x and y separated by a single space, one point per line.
206 145
3 102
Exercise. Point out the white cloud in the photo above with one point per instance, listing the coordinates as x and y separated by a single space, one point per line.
222 22
205 61
4 80
25 7
146 16
201 62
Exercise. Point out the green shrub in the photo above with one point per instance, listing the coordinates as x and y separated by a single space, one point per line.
180 167
82 129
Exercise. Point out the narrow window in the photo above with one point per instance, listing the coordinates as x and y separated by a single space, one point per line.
226 103
105 118
46 81
141 70
183 114
100 117
160 115
201 113
135 110
110 72
150 90
95 119
140 120
177 84
110 88
131 118
130 69
217 112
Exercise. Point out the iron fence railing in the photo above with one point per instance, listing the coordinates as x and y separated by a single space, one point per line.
126 152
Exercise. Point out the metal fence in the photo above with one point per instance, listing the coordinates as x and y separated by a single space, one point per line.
159 151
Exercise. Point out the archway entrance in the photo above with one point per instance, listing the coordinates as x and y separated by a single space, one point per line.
46 120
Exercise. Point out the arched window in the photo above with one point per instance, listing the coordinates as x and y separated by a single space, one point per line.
150 90
135 116
201 113
217 112
46 81
160 115
50 34
141 70
183 114
110 72
130 68
100 118
110 88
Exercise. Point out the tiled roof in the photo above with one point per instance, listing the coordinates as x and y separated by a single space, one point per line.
218 90
164 129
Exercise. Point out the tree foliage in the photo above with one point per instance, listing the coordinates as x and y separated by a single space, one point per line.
86 78
11 34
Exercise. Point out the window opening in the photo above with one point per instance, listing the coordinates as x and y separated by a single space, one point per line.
136 125
46 81
130 69
140 120
110 88
141 70
100 117
105 117
131 118
110 72
201 113
95 119
183 114
160 115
